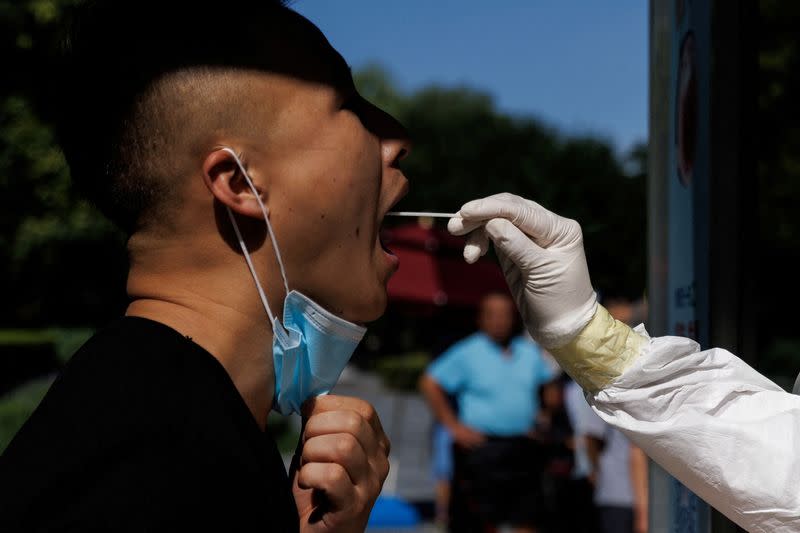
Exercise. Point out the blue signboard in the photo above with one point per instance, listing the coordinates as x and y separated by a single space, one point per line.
689 169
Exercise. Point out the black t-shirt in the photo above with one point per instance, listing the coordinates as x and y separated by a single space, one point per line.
143 431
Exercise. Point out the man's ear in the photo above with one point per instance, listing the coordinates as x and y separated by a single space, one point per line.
225 180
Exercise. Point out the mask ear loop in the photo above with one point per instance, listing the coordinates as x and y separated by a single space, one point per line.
273 318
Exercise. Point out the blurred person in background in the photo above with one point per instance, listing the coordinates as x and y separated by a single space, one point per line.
583 472
590 442
442 470
554 433
618 470
495 378
251 178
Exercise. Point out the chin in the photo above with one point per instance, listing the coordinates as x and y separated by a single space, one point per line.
372 306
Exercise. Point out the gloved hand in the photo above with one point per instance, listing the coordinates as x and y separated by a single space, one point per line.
542 258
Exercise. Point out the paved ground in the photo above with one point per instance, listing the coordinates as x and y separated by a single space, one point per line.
407 421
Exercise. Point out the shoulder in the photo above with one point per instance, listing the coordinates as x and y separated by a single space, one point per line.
140 410
527 347
475 341
135 377
456 359
466 347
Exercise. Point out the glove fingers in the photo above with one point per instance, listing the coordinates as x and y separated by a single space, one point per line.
514 280
477 245
544 226
458 226
512 242
503 205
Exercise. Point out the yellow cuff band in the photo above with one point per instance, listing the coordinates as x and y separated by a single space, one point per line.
601 352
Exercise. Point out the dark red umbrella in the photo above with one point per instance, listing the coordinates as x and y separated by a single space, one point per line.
433 271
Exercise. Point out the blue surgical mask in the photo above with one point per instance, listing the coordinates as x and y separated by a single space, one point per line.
312 346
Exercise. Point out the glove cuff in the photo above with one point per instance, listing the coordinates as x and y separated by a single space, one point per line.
563 330
601 352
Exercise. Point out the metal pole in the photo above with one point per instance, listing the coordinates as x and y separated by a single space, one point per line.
658 154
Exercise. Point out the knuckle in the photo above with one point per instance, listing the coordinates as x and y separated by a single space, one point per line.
506 196
496 229
352 423
361 505
304 455
335 475
369 412
307 474
384 466
387 446
346 446
492 226
574 228
310 429
375 487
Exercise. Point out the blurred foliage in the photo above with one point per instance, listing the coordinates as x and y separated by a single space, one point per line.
285 435
62 263
779 138
17 406
401 372
778 193
63 341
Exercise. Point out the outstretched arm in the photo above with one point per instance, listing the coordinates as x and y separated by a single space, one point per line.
724 430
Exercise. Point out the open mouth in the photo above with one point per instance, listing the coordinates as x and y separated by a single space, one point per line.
381 237
385 248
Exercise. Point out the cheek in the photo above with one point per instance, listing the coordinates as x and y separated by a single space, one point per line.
328 220
330 227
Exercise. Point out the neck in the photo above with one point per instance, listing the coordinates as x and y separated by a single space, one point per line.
218 310
504 342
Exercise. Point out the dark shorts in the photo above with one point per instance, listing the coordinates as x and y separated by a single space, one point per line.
496 483
616 519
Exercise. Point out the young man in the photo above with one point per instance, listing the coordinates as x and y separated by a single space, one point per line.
232 146
495 379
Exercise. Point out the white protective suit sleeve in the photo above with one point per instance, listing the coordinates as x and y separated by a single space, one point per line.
725 431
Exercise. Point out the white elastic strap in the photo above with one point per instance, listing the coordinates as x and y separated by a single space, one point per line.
271 233
263 296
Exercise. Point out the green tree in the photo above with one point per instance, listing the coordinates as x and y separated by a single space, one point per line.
777 193
62 263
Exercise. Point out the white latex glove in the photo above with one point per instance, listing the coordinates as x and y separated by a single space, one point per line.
542 258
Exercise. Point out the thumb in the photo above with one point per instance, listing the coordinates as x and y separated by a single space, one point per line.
512 242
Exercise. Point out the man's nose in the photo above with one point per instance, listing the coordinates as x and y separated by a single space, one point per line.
394 137
395 150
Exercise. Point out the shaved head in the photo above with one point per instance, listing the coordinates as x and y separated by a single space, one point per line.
149 83
173 123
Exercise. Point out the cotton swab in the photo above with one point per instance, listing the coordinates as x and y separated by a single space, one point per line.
420 214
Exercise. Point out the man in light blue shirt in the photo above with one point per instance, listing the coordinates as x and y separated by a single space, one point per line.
495 379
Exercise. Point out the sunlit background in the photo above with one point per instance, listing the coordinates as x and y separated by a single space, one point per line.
548 100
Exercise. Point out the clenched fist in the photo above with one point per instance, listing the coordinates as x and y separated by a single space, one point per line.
342 464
